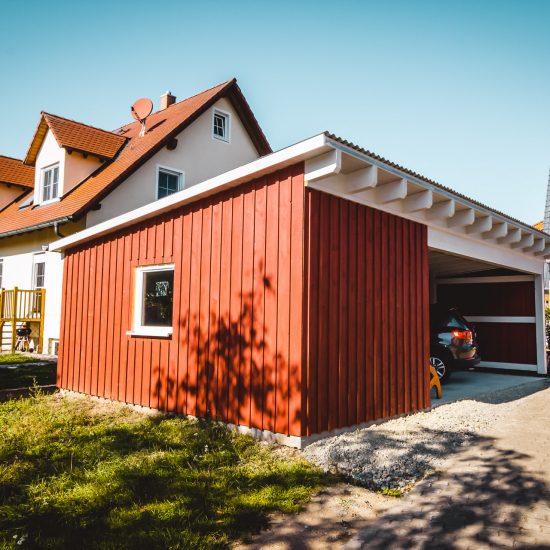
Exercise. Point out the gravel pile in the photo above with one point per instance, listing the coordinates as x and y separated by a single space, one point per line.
398 453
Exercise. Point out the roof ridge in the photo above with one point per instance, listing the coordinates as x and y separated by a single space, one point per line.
46 114
227 83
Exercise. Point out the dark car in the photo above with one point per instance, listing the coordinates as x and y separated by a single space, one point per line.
453 342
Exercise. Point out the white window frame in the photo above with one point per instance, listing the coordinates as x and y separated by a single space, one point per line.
227 138
43 172
176 172
145 330
38 259
1 271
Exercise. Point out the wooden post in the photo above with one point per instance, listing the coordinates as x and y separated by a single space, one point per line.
2 320
41 329
14 319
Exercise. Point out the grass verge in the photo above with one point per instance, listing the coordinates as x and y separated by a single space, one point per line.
26 375
75 473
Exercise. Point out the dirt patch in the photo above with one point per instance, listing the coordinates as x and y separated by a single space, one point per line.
329 520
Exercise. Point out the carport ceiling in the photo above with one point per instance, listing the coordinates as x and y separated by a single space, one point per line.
442 264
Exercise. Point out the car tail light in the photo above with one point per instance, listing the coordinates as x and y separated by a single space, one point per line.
463 335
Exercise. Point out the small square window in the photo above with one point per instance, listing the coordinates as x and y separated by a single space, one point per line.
50 183
221 125
168 182
154 300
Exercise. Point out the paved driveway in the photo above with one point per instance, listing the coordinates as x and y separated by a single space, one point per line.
493 494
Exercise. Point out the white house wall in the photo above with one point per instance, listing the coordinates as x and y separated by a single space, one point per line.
50 153
77 168
198 155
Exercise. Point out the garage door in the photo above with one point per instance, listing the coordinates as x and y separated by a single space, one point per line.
503 311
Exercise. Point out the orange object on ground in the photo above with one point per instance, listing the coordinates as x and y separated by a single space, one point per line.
435 383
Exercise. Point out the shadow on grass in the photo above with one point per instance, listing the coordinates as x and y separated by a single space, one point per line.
26 375
70 477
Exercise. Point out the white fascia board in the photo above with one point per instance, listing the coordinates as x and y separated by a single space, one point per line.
285 157
486 251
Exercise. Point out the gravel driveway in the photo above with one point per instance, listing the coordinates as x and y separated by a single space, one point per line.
398 453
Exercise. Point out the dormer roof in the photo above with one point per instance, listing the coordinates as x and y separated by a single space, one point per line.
14 172
74 136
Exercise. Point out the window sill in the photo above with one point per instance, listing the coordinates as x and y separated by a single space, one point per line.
45 203
155 332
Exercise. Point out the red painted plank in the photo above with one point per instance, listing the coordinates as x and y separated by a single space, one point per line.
258 312
271 283
343 362
362 336
214 309
117 281
235 351
194 326
247 309
283 306
353 343
225 304
83 304
204 314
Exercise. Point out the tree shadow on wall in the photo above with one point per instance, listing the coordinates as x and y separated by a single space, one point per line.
232 363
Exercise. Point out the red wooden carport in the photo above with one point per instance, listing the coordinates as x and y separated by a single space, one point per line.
300 299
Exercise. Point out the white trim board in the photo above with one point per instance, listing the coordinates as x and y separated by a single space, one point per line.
507 366
496 279
500 319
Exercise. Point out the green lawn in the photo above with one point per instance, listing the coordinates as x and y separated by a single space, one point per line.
75 473
25 375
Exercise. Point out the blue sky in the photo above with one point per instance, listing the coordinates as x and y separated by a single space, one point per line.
457 90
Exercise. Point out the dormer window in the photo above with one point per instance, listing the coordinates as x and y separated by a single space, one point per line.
221 125
50 183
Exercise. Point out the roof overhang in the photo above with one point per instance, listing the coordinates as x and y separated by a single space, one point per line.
337 168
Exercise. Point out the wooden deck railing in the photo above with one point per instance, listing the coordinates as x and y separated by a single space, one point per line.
19 308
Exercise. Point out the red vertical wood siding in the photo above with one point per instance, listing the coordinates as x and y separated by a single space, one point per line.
294 311
367 336
237 344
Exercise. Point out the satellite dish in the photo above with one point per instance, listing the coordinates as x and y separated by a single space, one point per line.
140 110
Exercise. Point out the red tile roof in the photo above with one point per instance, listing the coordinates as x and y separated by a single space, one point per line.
14 172
74 136
162 127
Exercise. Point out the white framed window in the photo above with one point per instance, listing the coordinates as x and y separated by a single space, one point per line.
1 270
153 300
221 125
168 181
49 183
39 273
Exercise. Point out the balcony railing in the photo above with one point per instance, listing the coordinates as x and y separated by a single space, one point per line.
21 309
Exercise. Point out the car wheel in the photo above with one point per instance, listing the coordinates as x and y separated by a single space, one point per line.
442 367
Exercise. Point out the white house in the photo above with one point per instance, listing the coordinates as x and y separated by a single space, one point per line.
75 176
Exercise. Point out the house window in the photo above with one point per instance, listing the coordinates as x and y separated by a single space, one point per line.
50 183
221 127
1 271
154 300
39 273
168 182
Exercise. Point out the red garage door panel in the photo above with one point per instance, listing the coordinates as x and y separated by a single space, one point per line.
507 342
499 342
490 298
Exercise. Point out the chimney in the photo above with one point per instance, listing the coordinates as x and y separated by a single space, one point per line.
166 100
